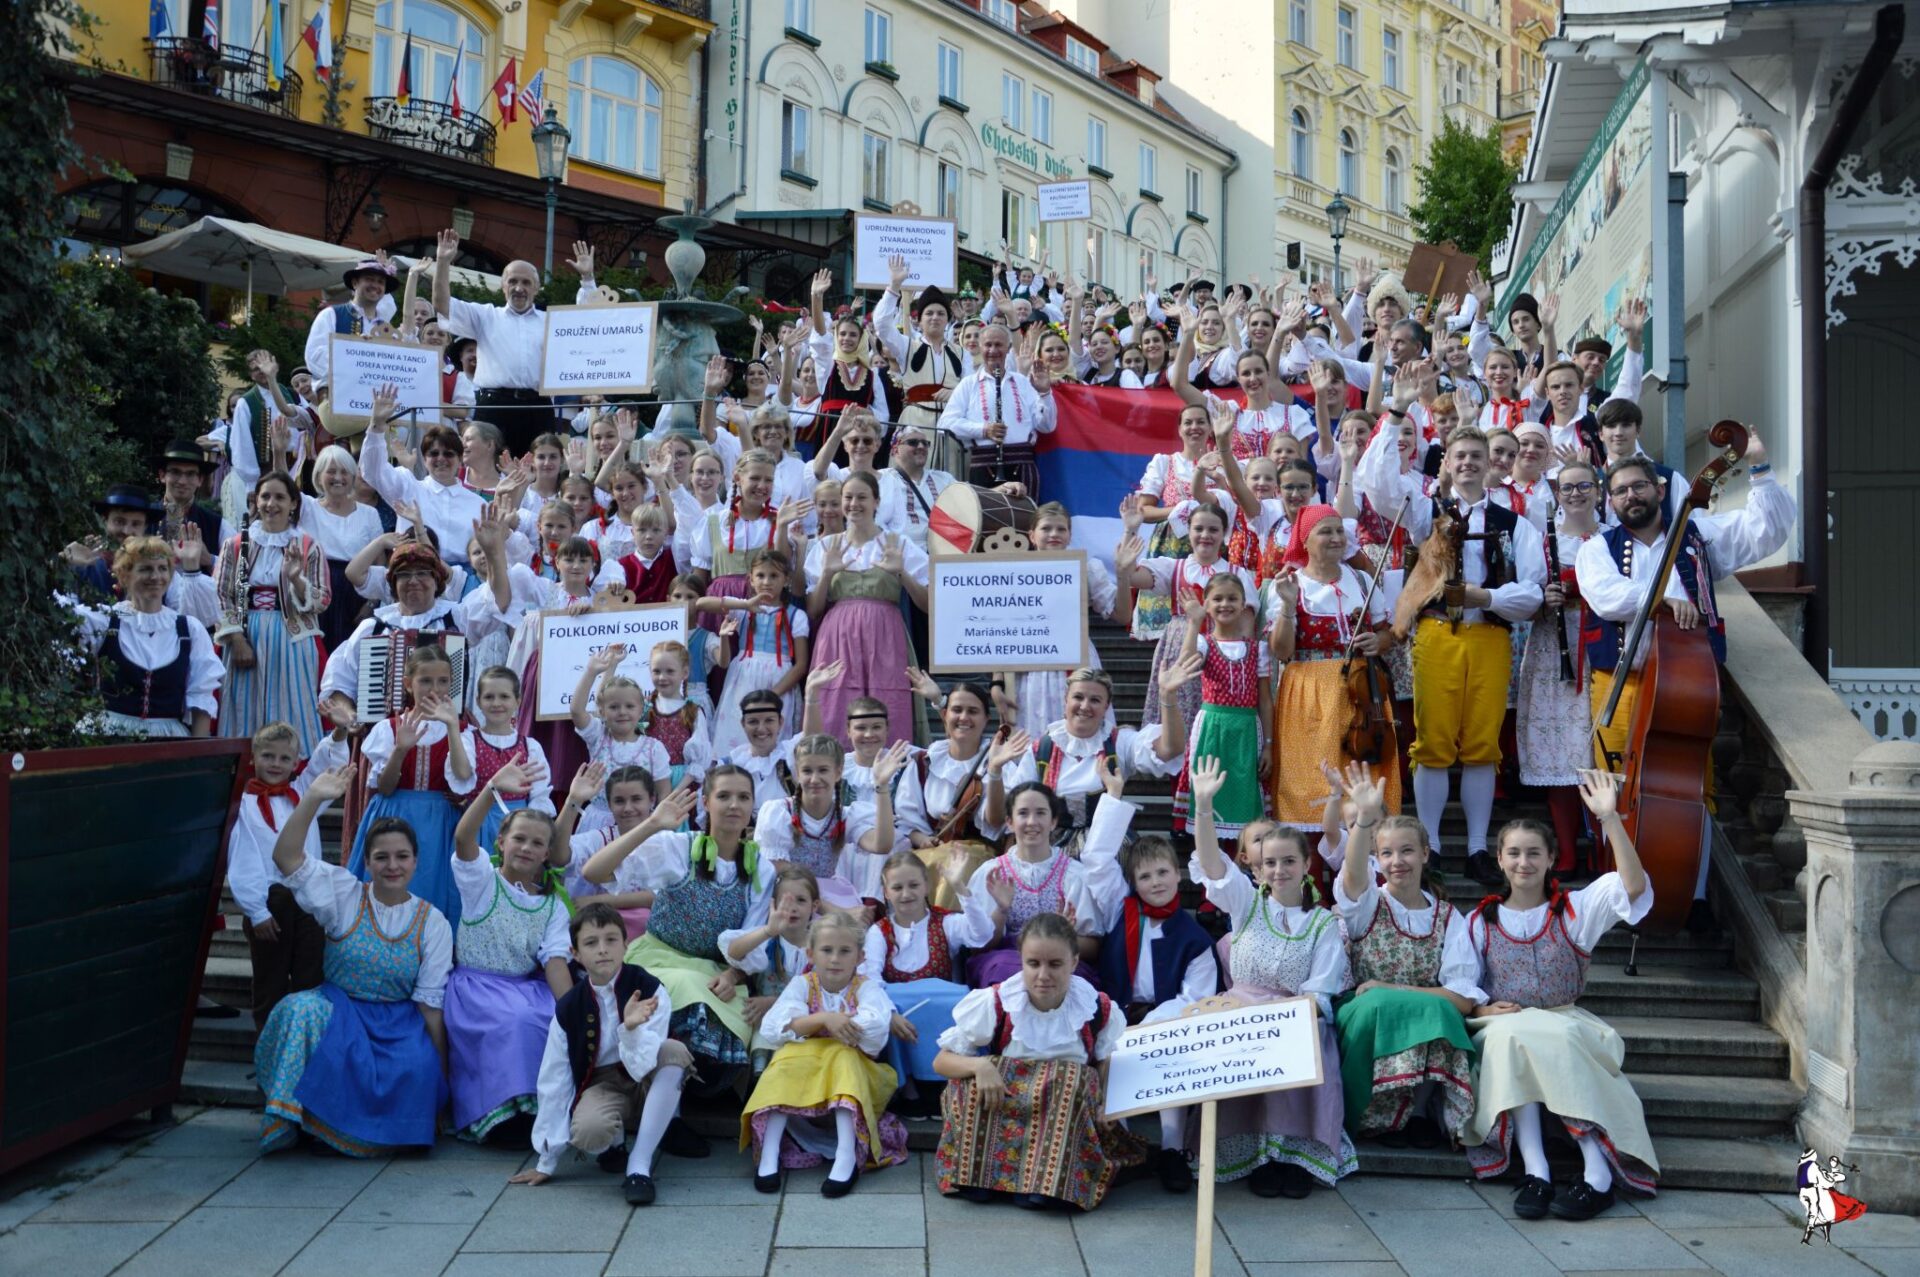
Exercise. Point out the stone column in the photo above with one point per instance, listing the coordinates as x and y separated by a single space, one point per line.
1863 973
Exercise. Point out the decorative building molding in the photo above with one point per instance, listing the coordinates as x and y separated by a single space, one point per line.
1866 223
1886 701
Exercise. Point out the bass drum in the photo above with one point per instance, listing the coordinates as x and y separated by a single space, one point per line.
967 518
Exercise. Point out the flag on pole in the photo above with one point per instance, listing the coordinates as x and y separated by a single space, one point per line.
403 87
505 92
158 23
453 81
210 25
531 96
275 60
319 37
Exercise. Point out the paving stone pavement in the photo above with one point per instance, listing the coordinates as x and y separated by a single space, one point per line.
200 1199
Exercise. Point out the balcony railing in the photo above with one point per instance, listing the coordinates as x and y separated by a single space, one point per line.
700 9
431 126
230 73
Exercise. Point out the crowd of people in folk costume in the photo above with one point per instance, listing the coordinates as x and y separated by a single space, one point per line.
798 869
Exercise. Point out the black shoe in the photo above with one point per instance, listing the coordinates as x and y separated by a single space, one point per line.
208 1009
1295 1182
1265 1180
1534 1197
1581 1201
1482 869
639 1190
1424 1132
974 1193
1033 1201
831 1187
613 1161
1170 1164
682 1140
767 1183
1393 1139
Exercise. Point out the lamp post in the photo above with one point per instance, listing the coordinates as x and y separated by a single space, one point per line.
550 139
1338 210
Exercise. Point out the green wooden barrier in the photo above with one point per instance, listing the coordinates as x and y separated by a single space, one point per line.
110 878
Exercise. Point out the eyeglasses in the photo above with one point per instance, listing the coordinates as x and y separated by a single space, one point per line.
415 575
913 443
1580 489
441 452
1639 489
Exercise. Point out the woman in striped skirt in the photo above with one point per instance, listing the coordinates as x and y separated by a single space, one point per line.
272 584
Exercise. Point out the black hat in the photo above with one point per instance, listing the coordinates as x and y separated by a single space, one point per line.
457 345
126 496
371 266
1194 286
931 296
1599 345
190 452
297 371
1524 302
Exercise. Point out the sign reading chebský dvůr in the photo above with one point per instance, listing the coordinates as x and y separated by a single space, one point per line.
1014 612
599 350
931 246
1215 1055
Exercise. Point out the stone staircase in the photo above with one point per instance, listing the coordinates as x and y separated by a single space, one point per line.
1715 1081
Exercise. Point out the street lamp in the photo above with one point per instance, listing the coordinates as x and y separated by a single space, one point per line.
1338 210
550 139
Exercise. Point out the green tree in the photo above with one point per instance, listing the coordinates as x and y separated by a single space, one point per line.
146 355
1466 191
54 457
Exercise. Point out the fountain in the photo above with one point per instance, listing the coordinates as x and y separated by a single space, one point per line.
685 339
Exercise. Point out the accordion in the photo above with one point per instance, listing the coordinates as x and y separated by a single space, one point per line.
382 678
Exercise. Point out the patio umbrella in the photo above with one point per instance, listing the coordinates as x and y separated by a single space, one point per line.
219 250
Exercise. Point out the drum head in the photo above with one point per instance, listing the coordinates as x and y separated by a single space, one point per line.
954 526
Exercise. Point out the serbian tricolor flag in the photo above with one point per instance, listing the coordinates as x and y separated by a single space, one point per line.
403 86
506 91
319 37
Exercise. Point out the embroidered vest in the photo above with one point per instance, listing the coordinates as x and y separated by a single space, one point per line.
1385 952
939 965
579 1017
1602 639
1181 940
1547 971
138 693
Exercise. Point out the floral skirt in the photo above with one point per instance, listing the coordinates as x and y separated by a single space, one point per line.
1044 1137
1393 1042
701 1022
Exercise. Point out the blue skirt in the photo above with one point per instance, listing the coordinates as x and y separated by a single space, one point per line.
915 1060
362 1076
433 817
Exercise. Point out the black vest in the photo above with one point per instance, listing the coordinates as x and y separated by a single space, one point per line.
579 1016
139 693
1500 526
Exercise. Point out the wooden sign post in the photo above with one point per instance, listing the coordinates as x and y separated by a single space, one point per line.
1220 1049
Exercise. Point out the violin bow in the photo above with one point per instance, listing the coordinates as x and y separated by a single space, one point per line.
1373 582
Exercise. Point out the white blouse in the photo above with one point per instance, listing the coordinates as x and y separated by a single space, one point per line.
919 806
1079 757
773 830
858 776
688 517
1596 908
380 744
1154 482
866 555
1093 884
1459 962
540 796
872 1012
332 896
764 769
1193 576
968 928
1036 1034
748 534
1234 895
666 859
450 509
341 536
476 878
151 640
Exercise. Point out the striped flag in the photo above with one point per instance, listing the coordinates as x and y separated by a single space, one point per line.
453 81
319 37
403 86
210 25
506 92
532 96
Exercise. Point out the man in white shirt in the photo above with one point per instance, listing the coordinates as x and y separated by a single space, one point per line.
1462 646
510 341
999 407
371 283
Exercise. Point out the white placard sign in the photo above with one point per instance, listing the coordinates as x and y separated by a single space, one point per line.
931 246
361 365
599 350
1014 612
567 641
1215 1055
1066 201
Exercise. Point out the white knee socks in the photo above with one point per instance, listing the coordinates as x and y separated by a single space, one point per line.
1476 795
663 1101
846 1150
1430 787
1173 1128
776 1130
1595 1170
1526 1133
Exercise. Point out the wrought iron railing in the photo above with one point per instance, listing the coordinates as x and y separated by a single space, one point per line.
230 73
692 8
432 126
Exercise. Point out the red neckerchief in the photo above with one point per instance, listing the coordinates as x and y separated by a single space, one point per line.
1134 909
264 794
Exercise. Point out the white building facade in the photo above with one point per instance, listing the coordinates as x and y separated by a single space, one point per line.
823 108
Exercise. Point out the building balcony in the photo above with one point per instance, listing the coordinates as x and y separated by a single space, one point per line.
232 74
1468 115
1310 195
431 126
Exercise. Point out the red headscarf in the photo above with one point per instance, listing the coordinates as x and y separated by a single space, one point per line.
1296 553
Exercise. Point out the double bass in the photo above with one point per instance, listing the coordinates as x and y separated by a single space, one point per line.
1675 715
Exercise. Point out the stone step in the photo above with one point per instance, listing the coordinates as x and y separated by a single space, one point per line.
224 1082
1742 1165
1727 1049
1710 1107
222 1039
228 980
1671 992
1765 873
1676 949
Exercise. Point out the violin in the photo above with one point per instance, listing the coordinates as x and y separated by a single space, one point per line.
1371 735
1675 714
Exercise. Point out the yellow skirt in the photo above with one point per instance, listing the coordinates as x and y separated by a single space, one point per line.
1310 718
810 1075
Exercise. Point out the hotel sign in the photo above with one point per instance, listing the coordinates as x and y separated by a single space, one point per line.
1024 152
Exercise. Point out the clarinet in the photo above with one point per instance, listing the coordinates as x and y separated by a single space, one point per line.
999 446
1560 612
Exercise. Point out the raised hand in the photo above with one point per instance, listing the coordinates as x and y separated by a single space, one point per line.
587 783
409 512
893 553
385 399
1632 317
1286 588
1131 515
582 262
1600 791
898 271
190 551
607 658
821 677
1110 778
822 284
329 785
717 375
923 684
1128 553
406 733
1549 309
674 808
1207 778
446 248
1181 672
515 777
1000 887
1367 791
1013 747
638 1010
888 765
